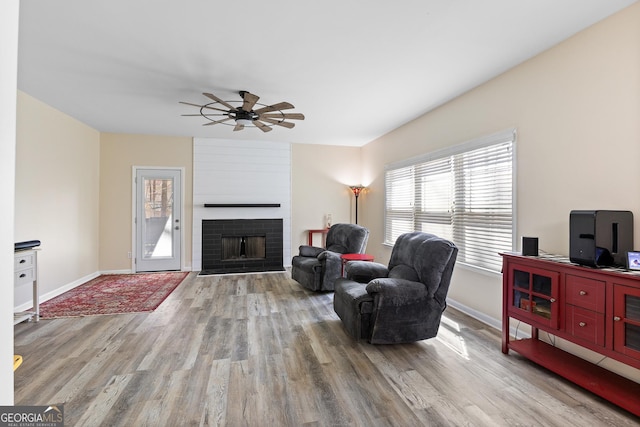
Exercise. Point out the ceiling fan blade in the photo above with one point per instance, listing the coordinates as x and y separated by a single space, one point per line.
203 115
215 98
293 116
238 127
262 126
203 106
189 103
274 107
215 122
249 100
276 122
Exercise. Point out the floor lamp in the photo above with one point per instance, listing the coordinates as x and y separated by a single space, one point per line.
357 189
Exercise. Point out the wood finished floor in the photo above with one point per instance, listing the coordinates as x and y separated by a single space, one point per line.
259 350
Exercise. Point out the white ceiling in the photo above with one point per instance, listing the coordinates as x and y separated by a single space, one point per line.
356 69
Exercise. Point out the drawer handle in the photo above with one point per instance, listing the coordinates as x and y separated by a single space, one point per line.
583 293
617 318
552 300
23 275
582 324
22 261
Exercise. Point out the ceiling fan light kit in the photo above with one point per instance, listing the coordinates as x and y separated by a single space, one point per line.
242 115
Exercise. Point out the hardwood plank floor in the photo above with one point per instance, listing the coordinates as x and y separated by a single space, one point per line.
259 350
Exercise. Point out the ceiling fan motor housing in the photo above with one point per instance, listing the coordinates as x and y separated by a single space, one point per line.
241 114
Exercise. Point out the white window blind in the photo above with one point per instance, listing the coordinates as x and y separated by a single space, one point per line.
464 194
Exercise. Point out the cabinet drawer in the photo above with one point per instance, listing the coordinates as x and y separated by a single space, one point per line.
585 324
24 276
22 262
586 293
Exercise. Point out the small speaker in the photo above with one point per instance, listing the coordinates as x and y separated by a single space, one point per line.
530 246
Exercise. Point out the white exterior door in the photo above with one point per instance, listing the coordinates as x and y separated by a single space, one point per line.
158 223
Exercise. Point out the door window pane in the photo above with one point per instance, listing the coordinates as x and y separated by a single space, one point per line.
158 208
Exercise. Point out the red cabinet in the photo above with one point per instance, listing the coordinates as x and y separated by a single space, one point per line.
626 320
533 294
598 309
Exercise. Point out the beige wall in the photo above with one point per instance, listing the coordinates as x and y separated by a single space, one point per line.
56 199
119 153
576 109
320 179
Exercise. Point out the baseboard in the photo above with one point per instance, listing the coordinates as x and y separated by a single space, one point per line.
478 315
57 291
487 320
128 271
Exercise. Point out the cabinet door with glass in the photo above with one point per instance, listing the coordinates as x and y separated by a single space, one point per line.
626 320
533 295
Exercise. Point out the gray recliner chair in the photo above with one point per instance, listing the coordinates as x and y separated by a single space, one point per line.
318 268
402 302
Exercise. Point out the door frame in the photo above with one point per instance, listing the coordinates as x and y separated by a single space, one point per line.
134 190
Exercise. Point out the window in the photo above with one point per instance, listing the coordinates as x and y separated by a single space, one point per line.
464 194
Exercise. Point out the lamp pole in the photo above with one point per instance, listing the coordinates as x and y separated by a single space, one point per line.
357 189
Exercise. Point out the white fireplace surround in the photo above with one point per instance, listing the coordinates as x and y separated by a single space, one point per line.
241 172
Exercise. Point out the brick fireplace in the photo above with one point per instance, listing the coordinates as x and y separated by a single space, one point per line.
241 245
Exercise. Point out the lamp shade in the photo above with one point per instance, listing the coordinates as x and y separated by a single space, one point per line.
357 189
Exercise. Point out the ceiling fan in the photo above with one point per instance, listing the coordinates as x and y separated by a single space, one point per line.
243 114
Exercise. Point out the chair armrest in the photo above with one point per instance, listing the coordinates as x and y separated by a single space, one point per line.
310 251
329 256
398 290
365 271
331 267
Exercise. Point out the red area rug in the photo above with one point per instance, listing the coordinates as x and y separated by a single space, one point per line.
114 294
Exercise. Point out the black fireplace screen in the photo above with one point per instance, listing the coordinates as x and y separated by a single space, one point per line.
243 247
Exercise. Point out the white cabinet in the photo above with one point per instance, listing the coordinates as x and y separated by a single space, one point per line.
25 270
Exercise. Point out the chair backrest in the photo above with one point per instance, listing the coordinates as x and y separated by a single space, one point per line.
425 258
347 238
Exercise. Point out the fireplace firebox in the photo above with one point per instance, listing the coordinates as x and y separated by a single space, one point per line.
241 245
244 247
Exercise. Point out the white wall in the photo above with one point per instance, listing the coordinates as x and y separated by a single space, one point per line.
241 172
8 83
